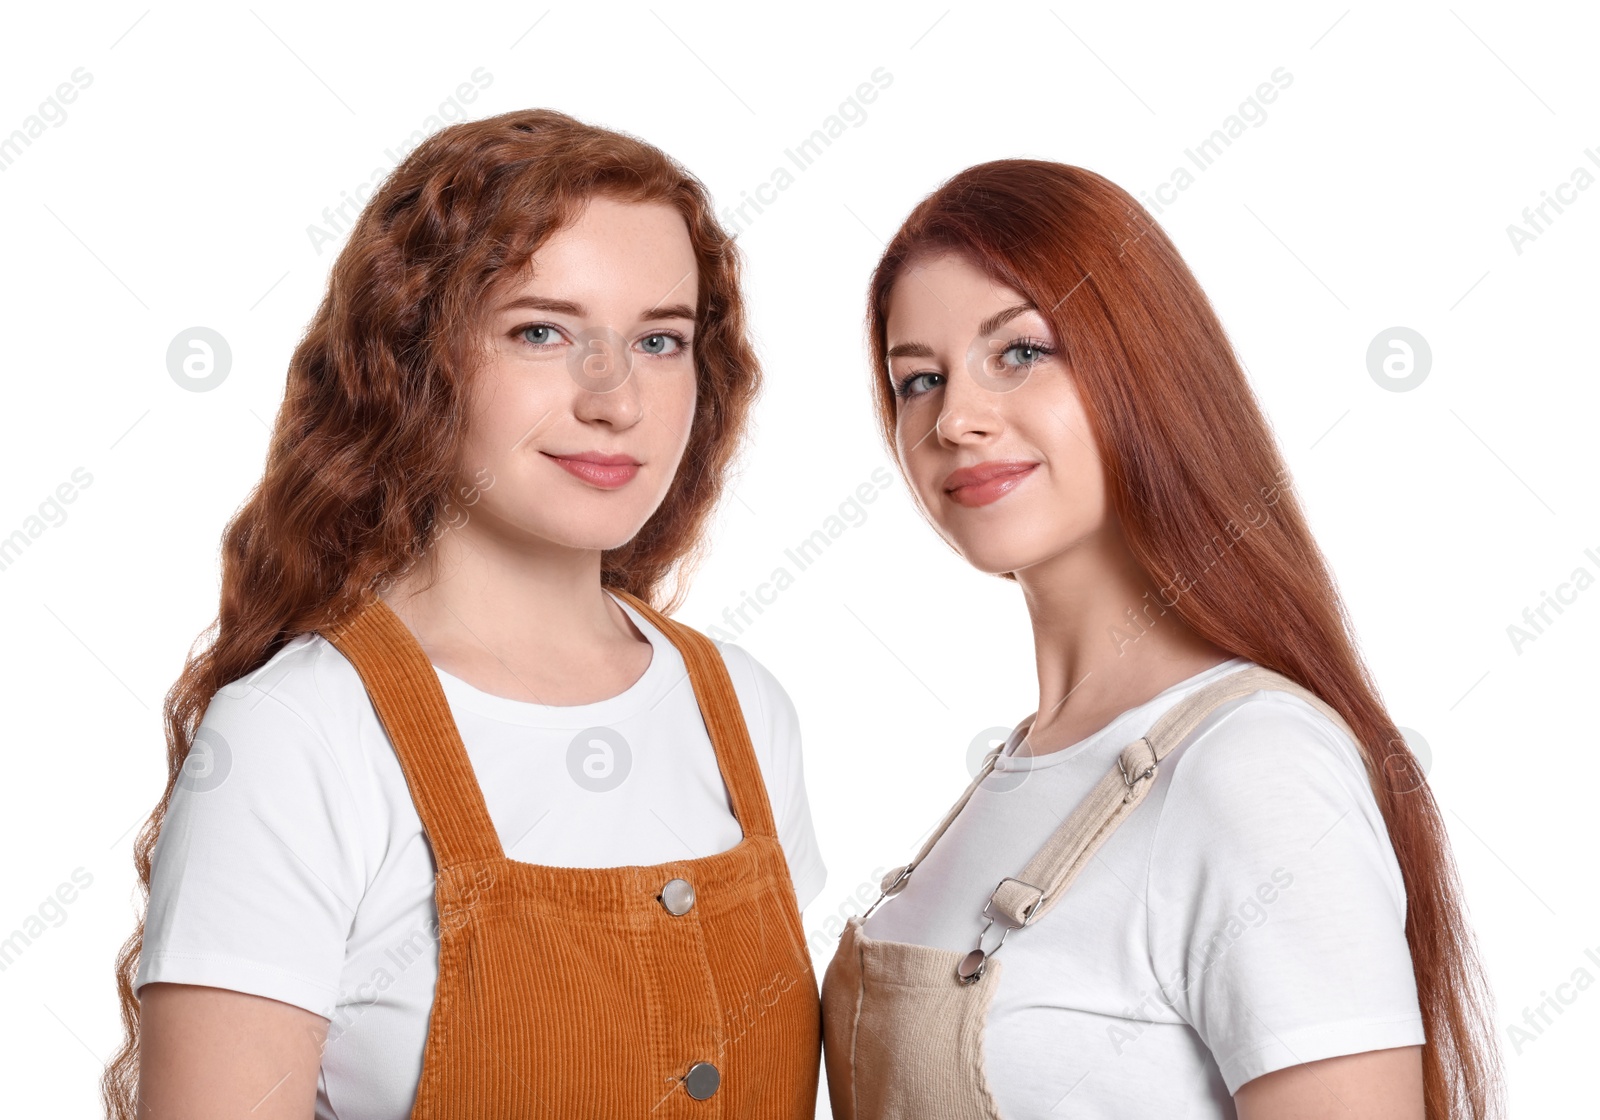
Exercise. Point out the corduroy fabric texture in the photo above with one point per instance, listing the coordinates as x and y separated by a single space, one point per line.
903 1035
573 992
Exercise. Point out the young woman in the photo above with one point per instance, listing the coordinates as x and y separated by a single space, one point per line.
1258 914
457 824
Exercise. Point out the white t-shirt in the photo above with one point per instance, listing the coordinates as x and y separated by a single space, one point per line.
1249 915
292 863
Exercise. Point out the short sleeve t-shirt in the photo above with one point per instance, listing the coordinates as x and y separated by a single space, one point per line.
292 863
1248 916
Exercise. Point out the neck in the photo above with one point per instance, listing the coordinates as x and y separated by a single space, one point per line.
482 591
1104 639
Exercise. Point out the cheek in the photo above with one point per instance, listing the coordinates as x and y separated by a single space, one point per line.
926 472
905 450
1078 495
912 436
507 411
688 398
672 400
1054 416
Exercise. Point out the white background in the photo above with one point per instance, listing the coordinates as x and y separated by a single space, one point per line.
1377 192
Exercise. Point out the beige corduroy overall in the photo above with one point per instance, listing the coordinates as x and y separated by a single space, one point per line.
903 1024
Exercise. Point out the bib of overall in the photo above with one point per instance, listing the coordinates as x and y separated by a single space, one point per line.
902 1023
681 989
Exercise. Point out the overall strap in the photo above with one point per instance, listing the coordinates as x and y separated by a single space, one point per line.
411 704
895 881
724 720
1019 901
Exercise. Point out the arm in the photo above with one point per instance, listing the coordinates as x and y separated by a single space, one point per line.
1374 1085
253 886
211 1052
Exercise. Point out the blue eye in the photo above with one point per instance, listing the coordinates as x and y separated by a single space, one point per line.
904 389
1038 349
527 332
663 342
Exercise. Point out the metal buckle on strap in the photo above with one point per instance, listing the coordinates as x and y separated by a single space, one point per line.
891 889
976 963
1131 780
1027 914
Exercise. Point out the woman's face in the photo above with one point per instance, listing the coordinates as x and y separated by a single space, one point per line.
582 408
989 426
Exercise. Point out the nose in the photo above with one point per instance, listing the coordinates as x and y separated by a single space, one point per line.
968 411
607 387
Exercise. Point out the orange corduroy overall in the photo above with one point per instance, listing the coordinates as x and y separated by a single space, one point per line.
681 989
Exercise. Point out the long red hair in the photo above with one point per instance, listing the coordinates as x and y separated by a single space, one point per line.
361 466
1186 449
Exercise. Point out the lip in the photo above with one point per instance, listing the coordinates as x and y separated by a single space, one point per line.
987 482
608 472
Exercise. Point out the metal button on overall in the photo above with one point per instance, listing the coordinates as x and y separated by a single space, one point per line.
701 1080
677 896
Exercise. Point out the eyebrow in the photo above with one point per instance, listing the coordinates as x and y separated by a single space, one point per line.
567 307
988 326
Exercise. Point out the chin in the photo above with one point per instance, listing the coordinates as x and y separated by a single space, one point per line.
995 557
991 560
603 541
590 532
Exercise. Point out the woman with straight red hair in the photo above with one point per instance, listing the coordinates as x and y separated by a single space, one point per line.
457 824
1279 931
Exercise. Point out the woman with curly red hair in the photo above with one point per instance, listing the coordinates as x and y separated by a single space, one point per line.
458 822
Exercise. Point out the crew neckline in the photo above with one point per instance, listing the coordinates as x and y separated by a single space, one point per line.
1007 761
640 695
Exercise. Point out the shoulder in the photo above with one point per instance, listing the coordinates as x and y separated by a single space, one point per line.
769 714
1270 779
1266 768
1267 738
765 702
306 701
272 784
283 688
308 667
775 734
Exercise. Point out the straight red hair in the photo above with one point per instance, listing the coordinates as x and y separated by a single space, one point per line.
1187 451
